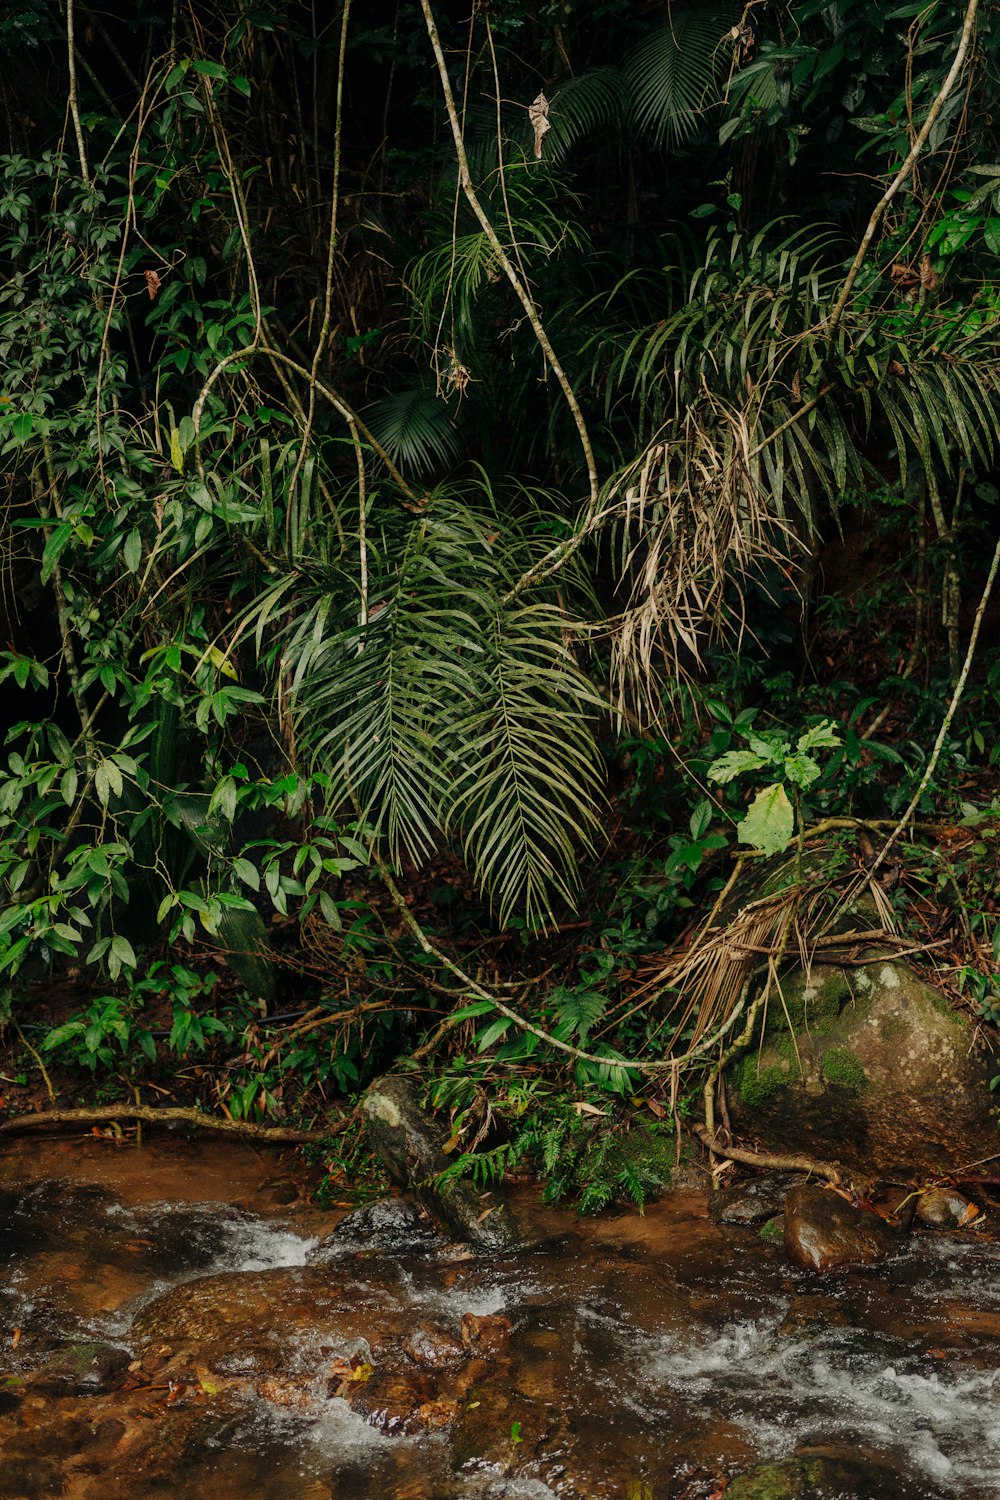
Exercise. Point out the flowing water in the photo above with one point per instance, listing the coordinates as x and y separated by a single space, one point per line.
169 1326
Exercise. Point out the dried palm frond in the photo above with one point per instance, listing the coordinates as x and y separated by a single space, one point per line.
708 977
694 522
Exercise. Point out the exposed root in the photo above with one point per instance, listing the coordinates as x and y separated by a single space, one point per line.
169 1116
774 1161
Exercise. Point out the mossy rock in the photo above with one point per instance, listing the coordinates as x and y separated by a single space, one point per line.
878 1072
816 1479
841 1066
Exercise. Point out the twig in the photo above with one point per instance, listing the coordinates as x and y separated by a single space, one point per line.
956 698
472 986
169 1116
324 332
38 1059
564 549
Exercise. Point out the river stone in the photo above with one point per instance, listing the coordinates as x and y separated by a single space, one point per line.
392 1225
824 1232
408 1140
817 1479
943 1208
83 1369
752 1202
883 1075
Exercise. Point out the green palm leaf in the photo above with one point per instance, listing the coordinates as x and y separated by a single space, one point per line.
415 428
528 794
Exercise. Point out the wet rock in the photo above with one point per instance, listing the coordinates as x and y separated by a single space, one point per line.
882 1075
813 1314
816 1478
393 1402
944 1208
85 1369
392 1225
252 1322
434 1349
753 1201
408 1140
488 1332
823 1231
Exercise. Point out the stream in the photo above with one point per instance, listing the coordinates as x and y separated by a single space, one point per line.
180 1319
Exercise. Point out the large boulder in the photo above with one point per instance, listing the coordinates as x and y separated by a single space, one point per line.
408 1140
877 1072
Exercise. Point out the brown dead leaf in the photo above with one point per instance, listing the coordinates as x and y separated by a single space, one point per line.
928 275
15 1338
538 114
153 283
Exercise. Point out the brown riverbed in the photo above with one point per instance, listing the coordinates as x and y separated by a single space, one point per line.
179 1319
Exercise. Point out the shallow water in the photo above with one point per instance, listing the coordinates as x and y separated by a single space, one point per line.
628 1359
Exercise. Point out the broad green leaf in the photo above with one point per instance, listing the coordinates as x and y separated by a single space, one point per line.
820 735
107 779
122 949
801 770
770 822
247 872
701 818
132 550
734 763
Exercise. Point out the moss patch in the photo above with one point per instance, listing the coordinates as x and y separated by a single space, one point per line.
757 1085
773 1232
842 1067
810 1007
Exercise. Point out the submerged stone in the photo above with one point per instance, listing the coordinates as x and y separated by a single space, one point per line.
816 1478
408 1140
823 1232
84 1369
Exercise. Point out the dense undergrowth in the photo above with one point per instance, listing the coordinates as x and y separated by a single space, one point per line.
436 555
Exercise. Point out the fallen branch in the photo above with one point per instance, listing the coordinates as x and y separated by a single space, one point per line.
774 1161
170 1116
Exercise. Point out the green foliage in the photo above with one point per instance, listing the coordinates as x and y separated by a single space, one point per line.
317 581
582 1152
769 823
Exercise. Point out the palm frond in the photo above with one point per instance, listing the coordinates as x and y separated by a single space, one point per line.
528 793
415 428
444 712
588 104
671 79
